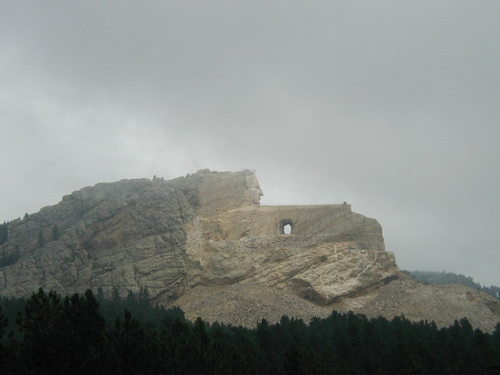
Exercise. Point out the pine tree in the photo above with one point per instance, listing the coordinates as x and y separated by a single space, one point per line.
62 335
4 233
134 347
55 232
4 354
3 325
41 240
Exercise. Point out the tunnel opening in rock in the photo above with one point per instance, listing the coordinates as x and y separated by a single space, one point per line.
286 227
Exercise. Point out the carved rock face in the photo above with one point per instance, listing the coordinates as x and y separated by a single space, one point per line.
205 230
254 191
209 226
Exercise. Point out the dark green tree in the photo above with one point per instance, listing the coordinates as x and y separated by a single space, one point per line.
3 325
4 351
62 335
38 323
41 240
55 232
134 347
4 233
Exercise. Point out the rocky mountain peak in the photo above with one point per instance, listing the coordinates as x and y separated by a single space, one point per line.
205 243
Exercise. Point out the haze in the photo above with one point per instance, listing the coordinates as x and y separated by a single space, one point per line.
392 106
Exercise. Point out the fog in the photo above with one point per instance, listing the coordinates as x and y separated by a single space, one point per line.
392 106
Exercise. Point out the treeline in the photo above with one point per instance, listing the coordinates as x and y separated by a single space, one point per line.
430 277
110 308
78 335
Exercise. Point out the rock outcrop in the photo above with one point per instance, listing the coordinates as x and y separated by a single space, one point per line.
205 243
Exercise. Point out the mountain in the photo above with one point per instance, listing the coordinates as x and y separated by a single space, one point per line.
204 243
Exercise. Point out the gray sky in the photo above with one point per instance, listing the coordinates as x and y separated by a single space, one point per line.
392 106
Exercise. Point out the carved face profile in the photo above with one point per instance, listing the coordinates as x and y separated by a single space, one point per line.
254 190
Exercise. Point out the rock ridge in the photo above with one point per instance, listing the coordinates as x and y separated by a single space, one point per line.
206 236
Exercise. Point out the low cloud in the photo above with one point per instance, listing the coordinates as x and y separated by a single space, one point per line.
392 107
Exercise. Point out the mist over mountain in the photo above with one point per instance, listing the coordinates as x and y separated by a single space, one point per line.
391 106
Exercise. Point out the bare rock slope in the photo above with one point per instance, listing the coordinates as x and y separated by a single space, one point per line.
204 243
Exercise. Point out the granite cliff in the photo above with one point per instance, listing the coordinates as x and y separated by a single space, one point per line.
205 243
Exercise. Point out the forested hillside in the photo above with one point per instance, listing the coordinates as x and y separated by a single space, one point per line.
80 334
430 277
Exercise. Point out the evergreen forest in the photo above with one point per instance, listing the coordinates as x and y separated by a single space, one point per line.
90 334
432 277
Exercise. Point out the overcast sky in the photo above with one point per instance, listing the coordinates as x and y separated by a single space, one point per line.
392 106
